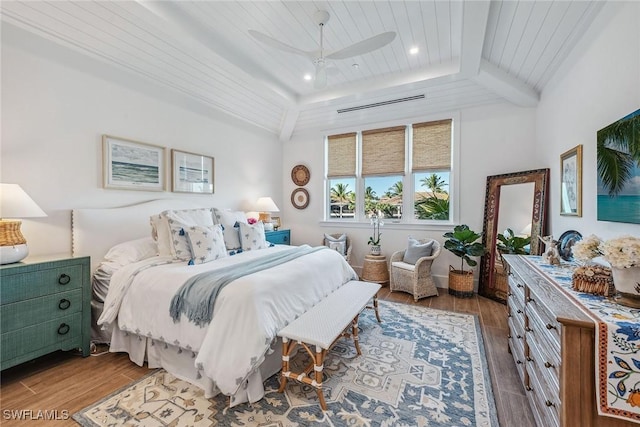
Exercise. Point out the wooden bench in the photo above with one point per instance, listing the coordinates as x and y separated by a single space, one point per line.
321 327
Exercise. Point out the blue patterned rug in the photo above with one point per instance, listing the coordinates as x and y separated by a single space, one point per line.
420 367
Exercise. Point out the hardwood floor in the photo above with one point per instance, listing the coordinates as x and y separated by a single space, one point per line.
65 382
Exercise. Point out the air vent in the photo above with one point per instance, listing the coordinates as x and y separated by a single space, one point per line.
380 104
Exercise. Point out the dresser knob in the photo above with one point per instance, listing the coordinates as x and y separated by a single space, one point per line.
529 359
528 329
529 299
518 362
64 304
550 326
509 294
519 285
519 311
509 336
509 315
528 388
519 337
549 365
63 329
549 403
64 279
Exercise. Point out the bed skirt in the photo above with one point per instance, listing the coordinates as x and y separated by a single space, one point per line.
180 363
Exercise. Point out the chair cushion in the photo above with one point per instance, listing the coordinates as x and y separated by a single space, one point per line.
404 265
336 243
417 249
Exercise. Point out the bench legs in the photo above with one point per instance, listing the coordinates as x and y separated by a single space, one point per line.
375 307
317 361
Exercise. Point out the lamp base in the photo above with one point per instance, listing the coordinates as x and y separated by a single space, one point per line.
14 253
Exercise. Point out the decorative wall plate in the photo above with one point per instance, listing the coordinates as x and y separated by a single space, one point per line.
300 198
566 241
300 175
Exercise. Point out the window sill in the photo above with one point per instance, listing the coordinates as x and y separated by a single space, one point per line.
445 226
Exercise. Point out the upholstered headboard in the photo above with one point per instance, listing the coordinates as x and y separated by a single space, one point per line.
95 231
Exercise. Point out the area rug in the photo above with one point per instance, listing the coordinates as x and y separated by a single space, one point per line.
420 367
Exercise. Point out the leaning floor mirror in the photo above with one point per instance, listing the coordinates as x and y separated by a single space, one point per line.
518 202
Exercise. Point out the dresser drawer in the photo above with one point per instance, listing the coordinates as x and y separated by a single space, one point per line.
17 287
55 334
517 351
548 340
547 367
38 310
547 411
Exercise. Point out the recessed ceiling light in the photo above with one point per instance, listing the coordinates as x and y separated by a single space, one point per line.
307 77
414 50
355 66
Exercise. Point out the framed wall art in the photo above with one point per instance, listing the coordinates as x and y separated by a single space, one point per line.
192 173
133 165
571 182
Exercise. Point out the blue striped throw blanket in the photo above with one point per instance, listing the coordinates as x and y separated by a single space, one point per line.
197 295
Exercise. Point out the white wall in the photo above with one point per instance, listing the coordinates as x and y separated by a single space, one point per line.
493 140
598 84
53 117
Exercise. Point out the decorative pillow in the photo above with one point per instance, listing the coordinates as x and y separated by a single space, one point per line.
179 222
252 236
336 243
417 249
206 243
230 221
160 233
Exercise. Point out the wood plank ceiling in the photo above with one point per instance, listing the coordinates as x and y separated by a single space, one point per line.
470 52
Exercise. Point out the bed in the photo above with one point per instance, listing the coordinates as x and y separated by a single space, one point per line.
236 350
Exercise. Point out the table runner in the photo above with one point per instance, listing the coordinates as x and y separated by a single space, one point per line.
617 343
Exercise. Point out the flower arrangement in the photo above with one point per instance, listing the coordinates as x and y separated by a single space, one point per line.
620 252
376 222
251 221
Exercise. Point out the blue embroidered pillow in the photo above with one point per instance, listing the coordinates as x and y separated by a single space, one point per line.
206 243
252 237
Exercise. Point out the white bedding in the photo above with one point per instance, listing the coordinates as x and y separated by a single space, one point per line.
247 315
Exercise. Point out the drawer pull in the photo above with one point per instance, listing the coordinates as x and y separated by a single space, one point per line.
519 337
63 329
550 326
549 365
528 329
64 304
509 294
509 336
519 285
529 299
529 359
64 279
549 403
528 388
518 362
519 311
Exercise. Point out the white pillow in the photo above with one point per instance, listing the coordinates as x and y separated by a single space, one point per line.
160 233
117 257
178 222
230 221
336 243
206 243
252 236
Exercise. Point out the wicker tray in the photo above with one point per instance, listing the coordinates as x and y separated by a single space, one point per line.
593 279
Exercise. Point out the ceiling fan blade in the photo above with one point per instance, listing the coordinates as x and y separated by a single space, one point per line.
321 77
270 41
364 46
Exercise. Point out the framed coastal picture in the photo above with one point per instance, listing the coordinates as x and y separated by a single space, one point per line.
571 182
133 165
192 173
618 168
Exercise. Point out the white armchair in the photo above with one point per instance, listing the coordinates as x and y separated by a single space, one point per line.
415 278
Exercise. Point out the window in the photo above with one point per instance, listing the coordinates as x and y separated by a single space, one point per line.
367 171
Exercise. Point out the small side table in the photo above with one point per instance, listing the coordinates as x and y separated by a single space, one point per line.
375 269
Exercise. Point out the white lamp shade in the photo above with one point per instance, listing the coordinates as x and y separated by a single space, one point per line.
266 204
15 203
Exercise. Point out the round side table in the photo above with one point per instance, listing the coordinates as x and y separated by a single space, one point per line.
375 269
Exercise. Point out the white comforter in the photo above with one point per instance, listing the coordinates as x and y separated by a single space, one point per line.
247 315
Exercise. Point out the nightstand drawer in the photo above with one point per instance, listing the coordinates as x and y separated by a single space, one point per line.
38 310
17 287
281 237
51 334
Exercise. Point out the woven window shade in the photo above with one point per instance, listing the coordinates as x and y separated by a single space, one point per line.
432 145
342 155
383 151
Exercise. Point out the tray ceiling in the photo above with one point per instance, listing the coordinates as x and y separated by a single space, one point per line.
470 52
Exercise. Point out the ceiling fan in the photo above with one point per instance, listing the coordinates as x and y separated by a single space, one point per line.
318 57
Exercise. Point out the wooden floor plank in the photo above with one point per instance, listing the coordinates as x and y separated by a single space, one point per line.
64 381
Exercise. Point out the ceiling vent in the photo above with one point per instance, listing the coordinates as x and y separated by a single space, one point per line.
380 104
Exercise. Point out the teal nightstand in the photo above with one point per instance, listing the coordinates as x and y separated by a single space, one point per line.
45 305
280 237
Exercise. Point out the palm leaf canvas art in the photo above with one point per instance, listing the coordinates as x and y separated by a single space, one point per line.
618 150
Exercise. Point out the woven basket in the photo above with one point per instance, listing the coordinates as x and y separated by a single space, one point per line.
460 283
593 279
10 233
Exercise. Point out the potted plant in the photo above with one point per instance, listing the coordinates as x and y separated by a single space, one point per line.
374 240
463 243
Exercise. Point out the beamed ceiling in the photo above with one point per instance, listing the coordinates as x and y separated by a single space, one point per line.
470 53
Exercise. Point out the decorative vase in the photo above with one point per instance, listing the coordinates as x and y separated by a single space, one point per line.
627 283
375 250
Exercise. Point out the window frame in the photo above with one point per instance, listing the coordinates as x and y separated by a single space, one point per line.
408 220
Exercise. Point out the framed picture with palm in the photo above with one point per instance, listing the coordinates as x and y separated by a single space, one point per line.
618 163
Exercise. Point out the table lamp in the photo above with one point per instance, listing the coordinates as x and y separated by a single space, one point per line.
15 203
265 206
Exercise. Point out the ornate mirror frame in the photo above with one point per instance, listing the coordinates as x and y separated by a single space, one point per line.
488 285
